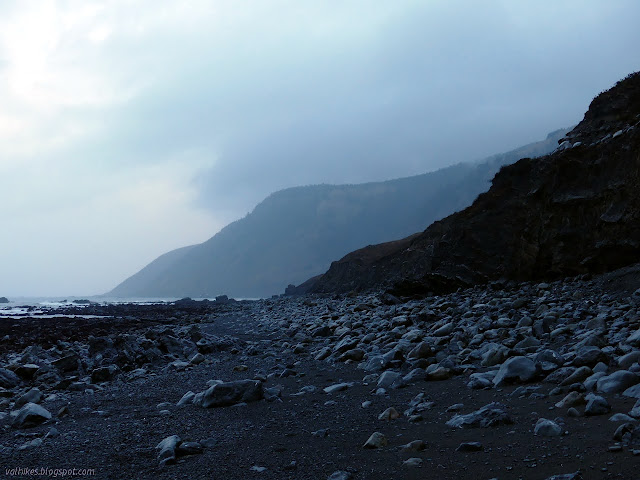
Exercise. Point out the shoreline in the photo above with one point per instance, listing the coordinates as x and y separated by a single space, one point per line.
370 350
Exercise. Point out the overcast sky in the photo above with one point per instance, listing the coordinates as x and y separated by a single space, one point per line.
128 129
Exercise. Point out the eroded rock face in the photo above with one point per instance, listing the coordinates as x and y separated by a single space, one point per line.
574 211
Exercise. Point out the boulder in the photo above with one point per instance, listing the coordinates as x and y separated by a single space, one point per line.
103 374
481 380
167 450
34 395
421 350
617 382
229 393
8 379
490 415
589 356
516 369
390 379
30 415
376 440
596 405
547 428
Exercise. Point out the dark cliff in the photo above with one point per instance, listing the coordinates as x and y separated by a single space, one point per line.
571 212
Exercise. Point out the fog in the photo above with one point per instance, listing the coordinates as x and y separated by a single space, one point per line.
127 131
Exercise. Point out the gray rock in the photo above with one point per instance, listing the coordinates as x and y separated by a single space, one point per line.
27 371
186 399
271 394
625 361
103 374
444 330
30 415
414 446
413 462
189 448
596 405
494 356
631 438
230 393
421 350
34 395
617 382
197 358
338 387
167 450
345 344
376 440
548 360
547 428
488 416
355 354
591 382
621 417
528 344
389 414
589 356
481 380
68 363
573 399
36 442
566 476
438 372
633 392
559 375
374 363
323 353
470 447
340 475
415 375
516 369
8 379
579 375
390 379
634 339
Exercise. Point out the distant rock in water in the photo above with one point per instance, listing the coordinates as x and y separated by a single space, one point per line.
295 233
83 301
4 300
572 212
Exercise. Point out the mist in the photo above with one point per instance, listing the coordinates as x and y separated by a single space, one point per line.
126 132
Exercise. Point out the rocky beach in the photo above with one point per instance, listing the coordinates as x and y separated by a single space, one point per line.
506 381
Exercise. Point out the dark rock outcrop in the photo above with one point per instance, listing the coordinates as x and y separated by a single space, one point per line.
572 212
4 300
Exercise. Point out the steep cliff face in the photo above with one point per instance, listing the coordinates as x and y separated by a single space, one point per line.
574 211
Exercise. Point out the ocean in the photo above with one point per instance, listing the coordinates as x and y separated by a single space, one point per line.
46 306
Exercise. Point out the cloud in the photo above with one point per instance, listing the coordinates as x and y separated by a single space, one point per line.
128 129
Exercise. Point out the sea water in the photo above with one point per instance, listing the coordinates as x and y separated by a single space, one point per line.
44 307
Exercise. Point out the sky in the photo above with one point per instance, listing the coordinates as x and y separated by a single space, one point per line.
128 129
